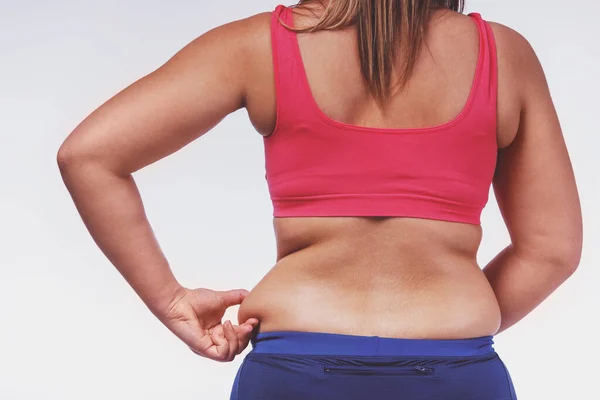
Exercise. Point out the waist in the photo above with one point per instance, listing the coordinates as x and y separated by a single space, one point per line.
342 290
296 342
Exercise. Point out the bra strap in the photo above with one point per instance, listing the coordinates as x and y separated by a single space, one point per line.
291 84
489 64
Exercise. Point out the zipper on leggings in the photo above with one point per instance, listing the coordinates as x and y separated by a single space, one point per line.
417 370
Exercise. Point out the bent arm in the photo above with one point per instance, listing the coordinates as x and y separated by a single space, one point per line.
537 195
150 119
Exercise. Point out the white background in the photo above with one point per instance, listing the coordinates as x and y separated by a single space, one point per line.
70 326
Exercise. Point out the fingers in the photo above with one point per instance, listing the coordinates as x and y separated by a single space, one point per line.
232 340
244 333
233 297
220 352
239 336
228 340
252 322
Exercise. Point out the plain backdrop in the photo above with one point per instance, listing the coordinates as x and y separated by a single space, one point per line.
71 328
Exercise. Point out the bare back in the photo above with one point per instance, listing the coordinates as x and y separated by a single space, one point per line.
382 276
388 276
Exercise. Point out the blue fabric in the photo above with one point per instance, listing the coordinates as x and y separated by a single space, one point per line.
318 366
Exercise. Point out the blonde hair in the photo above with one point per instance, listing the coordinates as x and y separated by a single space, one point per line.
383 27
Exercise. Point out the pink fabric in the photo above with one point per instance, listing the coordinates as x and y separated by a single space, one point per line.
316 166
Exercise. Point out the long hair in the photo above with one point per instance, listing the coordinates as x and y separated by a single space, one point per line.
383 28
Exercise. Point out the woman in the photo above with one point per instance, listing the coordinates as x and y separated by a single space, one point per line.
384 123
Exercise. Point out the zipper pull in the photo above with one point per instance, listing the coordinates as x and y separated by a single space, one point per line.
423 369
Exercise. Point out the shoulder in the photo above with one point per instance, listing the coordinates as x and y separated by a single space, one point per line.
232 48
511 42
251 39
516 54
240 34
253 24
519 67
250 36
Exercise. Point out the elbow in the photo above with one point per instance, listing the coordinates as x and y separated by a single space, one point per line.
72 160
561 257
572 259
574 247
80 162
566 265
73 156
567 256
66 156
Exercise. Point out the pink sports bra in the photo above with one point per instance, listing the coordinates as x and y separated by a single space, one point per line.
316 166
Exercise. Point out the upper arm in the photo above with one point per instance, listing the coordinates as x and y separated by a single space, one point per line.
170 107
534 182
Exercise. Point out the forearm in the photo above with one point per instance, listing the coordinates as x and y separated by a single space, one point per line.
521 283
112 210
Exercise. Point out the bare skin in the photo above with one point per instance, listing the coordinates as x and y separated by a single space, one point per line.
391 277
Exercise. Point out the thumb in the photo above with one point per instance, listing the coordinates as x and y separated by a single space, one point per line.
233 297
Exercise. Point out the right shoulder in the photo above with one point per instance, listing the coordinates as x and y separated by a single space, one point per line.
256 26
248 30
255 33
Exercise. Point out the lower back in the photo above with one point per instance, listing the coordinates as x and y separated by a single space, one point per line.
390 277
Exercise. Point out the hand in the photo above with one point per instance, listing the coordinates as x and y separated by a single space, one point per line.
195 317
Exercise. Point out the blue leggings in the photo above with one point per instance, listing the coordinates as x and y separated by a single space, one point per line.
326 366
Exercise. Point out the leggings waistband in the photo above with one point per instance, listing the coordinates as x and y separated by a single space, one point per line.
321 343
